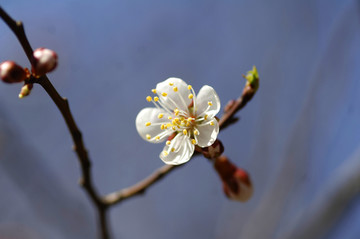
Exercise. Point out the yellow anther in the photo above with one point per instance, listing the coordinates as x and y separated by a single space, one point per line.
147 123
153 91
190 119
189 87
149 98
191 96
205 117
171 84
157 137
169 117
168 125
162 127
176 111
210 103
160 115
168 142
165 153
196 132
148 136
193 141
173 128
184 131
164 94
172 149
174 121
187 124
212 123
175 89
156 98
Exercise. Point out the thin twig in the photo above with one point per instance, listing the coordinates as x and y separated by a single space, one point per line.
63 106
140 187
228 116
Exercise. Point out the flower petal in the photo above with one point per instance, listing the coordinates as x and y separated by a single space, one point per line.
184 149
207 133
154 130
207 94
177 94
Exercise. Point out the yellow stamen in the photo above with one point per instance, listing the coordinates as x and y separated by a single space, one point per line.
189 87
160 115
157 137
169 117
173 128
168 125
168 142
165 153
156 98
175 89
191 96
171 84
184 131
153 91
176 111
212 123
210 103
162 127
172 149
164 94
193 141
148 136
196 132
147 123
205 117
149 99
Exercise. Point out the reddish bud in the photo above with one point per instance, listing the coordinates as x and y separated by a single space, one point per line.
214 150
45 60
10 72
236 181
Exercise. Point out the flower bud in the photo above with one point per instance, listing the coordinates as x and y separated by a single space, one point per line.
214 150
236 181
45 60
25 90
10 72
252 78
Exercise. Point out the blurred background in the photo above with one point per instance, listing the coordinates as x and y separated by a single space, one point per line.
299 138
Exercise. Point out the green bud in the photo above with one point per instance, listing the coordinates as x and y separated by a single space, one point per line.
252 78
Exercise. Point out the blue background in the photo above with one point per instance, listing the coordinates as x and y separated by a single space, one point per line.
298 138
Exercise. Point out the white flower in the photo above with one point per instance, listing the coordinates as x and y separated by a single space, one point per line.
181 117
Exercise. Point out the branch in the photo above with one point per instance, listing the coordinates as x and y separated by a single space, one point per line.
63 106
140 187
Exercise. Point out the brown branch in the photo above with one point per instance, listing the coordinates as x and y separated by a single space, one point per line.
63 106
140 187
228 116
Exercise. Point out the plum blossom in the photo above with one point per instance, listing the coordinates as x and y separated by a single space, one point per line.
180 117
